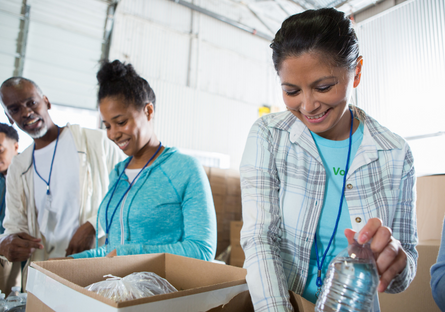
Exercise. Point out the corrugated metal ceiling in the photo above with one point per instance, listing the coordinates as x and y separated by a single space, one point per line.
273 12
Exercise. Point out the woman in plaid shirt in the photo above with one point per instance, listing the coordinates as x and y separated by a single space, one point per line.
296 179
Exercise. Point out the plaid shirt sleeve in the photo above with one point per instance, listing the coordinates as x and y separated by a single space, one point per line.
404 226
260 234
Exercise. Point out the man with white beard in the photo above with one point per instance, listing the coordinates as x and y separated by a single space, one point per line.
55 186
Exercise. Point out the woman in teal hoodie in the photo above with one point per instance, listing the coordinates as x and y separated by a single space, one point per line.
159 200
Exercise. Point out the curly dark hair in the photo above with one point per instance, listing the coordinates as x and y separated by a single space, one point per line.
120 79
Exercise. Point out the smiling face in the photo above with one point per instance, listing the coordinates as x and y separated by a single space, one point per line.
318 93
130 128
24 104
8 149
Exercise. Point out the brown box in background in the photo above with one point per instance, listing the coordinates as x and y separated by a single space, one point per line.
220 203
430 206
226 191
418 296
237 254
235 231
59 285
233 203
218 188
233 186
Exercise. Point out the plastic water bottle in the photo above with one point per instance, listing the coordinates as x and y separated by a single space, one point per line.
13 299
351 281
2 302
23 298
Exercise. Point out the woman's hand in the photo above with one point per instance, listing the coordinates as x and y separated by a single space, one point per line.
388 252
112 254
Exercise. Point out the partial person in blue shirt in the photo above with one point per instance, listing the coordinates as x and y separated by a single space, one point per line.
9 146
159 200
438 275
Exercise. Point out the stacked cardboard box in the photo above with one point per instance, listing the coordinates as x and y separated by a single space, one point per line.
237 254
430 208
225 184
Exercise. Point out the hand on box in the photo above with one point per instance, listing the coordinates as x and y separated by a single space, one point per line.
390 257
82 240
19 247
112 254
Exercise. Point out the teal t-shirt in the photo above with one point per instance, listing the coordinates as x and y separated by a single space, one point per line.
333 155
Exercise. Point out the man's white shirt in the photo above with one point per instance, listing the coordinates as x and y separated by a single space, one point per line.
60 222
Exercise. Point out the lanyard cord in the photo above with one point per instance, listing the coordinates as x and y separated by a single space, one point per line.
108 225
3 200
320 265
52 162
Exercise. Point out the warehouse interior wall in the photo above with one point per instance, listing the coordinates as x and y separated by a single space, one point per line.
209 78
58 47
403 77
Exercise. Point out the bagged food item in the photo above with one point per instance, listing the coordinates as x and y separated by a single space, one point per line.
134 286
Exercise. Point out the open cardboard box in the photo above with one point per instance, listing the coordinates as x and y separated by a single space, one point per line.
243 303
59 285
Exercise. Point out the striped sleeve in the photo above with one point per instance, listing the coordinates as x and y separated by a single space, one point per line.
260 234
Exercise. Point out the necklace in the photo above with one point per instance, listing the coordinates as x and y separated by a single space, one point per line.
108 224
319 281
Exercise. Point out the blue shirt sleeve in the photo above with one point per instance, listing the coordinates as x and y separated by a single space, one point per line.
92 253
438 275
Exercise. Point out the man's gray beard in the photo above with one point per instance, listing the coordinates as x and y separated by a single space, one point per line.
39 133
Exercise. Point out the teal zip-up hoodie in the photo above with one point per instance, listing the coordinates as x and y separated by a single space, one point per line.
168 209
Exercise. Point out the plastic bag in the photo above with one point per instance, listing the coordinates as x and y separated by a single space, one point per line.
134 286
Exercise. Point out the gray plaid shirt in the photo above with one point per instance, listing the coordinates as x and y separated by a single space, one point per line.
283 181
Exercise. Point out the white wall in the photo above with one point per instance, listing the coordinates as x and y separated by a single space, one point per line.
209 77
64 46
403 76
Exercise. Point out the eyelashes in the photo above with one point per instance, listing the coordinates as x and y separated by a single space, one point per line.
321 89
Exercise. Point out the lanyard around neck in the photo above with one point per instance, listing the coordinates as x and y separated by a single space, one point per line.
3 199
108 224
52 162
320 265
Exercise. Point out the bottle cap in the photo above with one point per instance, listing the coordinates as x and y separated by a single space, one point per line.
16 288
2 296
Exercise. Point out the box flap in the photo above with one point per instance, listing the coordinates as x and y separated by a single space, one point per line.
243 303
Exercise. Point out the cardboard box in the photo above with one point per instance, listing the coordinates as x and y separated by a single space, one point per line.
235 231
233 186
418 296
430 206
218 188
220 203
237 256
217 176
233 204
59 285
243 303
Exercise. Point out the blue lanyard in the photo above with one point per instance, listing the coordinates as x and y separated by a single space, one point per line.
108 225
52 162
320 265
3 199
